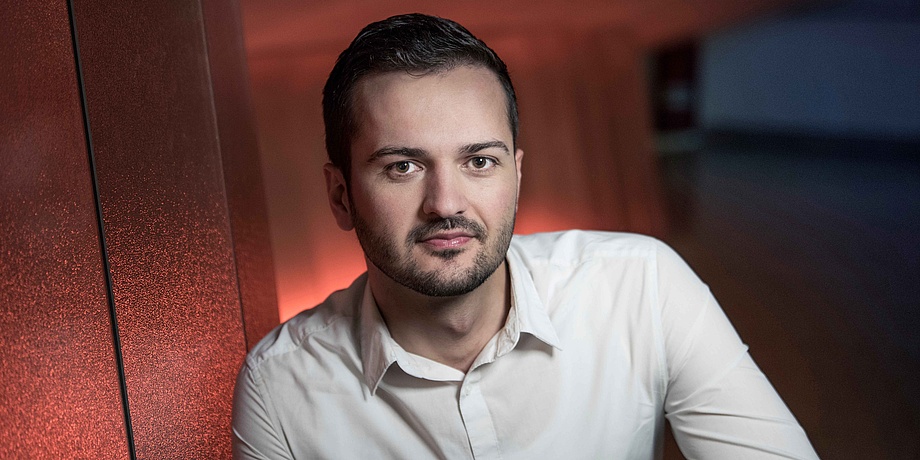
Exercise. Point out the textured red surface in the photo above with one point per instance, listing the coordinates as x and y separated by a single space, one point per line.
60 396
161 186
242 169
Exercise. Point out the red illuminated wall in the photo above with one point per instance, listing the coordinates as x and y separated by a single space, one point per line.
134 265
60 395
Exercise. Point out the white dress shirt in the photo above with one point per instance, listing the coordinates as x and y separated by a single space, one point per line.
608 334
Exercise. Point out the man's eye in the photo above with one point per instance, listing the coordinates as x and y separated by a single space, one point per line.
482 163
402 167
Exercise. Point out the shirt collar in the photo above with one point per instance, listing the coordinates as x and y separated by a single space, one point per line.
528 314
377 346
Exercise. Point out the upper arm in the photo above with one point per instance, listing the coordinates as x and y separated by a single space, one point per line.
719 403
255 434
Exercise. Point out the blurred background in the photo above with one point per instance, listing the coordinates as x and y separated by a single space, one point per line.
774 144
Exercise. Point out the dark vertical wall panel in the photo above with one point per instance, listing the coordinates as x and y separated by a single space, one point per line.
60 393
148 93
242 168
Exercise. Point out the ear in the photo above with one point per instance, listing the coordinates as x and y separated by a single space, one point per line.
518 158
338 196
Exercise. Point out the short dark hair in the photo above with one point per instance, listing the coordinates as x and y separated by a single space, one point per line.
414 43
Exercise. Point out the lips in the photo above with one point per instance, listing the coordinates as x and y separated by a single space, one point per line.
447 240
450 233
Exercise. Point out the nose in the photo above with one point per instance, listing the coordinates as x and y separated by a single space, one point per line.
445 193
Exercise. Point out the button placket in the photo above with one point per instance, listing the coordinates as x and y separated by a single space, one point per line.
477 419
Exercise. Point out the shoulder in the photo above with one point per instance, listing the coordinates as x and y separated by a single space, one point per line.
578 246
603 265
329 322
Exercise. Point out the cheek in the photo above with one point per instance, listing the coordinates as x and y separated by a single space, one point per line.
498 201
392 209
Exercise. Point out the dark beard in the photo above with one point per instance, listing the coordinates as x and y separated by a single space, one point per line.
402 269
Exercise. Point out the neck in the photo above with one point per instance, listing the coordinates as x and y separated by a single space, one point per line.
449 330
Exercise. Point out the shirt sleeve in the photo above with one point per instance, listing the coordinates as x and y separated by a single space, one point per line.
719 403
254 433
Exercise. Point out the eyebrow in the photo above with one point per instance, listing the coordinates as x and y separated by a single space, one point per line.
479 146
408 152
412 152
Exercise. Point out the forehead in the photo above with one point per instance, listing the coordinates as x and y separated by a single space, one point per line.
461 105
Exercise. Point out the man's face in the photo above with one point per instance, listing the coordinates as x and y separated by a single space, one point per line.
434 180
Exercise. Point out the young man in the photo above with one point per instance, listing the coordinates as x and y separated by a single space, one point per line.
462 341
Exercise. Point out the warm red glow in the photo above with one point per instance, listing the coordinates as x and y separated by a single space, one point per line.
332 274
546 220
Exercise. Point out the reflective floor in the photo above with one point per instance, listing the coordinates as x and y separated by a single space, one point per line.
813 251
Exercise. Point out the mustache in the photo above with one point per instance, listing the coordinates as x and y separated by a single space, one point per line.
427 229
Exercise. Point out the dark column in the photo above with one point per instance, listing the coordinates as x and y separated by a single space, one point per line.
60 396
132 229
155 135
